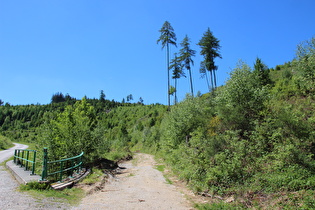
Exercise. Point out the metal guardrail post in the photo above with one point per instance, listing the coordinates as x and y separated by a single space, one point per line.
22 158
26 162
44 173
15 156
33 168
68 165
19 161
61 170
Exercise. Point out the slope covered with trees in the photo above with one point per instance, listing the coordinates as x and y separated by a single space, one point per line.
251 140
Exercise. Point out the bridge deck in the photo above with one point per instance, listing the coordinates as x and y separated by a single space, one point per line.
22 176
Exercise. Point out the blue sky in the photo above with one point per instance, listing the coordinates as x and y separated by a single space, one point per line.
81 47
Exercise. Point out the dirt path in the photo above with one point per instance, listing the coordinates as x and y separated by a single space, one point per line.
139 186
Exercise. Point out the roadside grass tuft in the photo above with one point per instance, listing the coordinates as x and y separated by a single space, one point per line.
160 168
94 177
40 191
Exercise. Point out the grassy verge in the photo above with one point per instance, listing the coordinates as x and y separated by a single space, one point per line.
166 173
303 199
40 191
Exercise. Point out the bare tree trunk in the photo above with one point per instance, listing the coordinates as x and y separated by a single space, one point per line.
191 83
175 91
211 77
207 81
215 79
168 78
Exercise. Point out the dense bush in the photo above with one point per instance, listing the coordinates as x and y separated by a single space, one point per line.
5 143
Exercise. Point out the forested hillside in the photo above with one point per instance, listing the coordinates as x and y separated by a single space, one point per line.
251 139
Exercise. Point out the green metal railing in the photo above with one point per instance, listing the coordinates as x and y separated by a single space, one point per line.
60 168
25 158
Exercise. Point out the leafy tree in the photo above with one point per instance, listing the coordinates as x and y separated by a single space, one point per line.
181 122
5 143
167 37
240 101
210 47
1 102
306 48
70 132
177 68
185 57
306 62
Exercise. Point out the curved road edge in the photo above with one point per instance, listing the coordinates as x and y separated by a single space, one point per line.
6 154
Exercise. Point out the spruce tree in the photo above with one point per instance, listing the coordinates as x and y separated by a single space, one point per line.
167 37
261 72
185 57
177 68
210 49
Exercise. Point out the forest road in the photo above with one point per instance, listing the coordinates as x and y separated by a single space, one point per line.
138 186
6 154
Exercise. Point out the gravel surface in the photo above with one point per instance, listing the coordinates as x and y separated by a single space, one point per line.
139 186
6 154
11 198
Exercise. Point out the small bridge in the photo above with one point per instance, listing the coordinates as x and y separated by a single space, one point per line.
63 172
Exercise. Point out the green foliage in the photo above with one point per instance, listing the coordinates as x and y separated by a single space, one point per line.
93 177
252 138
35 186
167 38
221 205
70 132
210 49
261 72
177 68
185 57
42 190
5 143
241 100
181 122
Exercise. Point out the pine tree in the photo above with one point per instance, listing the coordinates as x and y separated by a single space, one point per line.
166 38
177 68
261 72
185 57
102 96
210 50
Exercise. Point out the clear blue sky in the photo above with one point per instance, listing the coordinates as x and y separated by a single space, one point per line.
80 47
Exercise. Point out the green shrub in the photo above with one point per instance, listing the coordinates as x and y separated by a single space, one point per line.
5 143
35 186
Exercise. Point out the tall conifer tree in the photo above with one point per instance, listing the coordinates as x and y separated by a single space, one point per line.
177 72
185 56
167 38
210 49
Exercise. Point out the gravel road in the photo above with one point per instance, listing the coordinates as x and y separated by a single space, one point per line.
6 154
139 186
11 198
